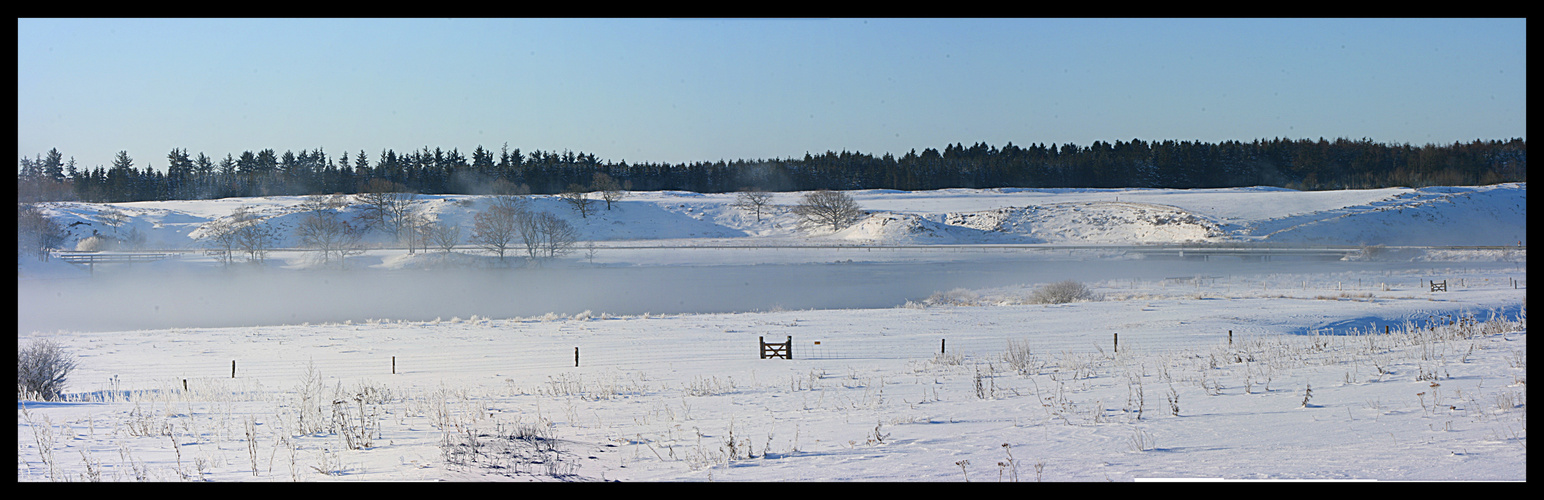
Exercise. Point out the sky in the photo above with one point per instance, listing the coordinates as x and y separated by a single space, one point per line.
687 90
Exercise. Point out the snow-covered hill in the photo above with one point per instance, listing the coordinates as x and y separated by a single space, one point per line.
1481 215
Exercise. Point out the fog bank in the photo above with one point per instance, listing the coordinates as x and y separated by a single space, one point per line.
132 300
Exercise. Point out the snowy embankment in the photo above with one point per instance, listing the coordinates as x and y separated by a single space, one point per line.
1469 216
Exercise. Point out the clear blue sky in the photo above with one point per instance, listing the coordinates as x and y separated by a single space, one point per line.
660 90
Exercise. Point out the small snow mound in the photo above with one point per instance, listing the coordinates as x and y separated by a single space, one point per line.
1091 222
892 228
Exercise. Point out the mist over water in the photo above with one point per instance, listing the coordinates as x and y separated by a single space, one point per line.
133 300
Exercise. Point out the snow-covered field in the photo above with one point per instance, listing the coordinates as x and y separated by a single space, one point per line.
917 354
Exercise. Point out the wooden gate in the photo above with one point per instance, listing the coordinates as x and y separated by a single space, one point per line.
776 350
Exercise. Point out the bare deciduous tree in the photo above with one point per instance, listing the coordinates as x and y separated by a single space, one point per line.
444 235
323 228
609 189
494 228
545 235
36 233
251 235
133 239
388 206
754 200
577 196
827 208
559 236
112 218
219 236
528 230
416 230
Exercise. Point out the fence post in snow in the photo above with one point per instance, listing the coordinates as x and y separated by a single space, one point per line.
1117 341
943 346
233 368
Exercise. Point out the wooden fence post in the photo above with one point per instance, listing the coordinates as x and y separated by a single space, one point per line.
233 368
576 356
1117 342
393 365
943 346
790 347
1230 338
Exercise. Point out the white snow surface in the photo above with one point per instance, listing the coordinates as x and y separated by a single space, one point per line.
1175 369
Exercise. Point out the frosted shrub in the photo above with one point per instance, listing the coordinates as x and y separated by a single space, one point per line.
948 359
41 369
955 297
1021 358
95 243
1062 292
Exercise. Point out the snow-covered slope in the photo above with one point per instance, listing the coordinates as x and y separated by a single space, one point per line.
1482 215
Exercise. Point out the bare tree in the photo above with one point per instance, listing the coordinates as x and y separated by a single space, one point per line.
577 196
558 235
323 228
36 233
827 208
112 217
545 235
388 206
754 200
251 235
609 189
219 236
494 228
529 233
416 228
443 235
133 239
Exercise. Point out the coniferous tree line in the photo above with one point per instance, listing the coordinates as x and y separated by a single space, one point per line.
1298 164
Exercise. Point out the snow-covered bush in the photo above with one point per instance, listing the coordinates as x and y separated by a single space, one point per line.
1062 292
1022 358
41 370
96 243
955 297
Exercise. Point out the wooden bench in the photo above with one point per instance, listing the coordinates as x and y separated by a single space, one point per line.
776 350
